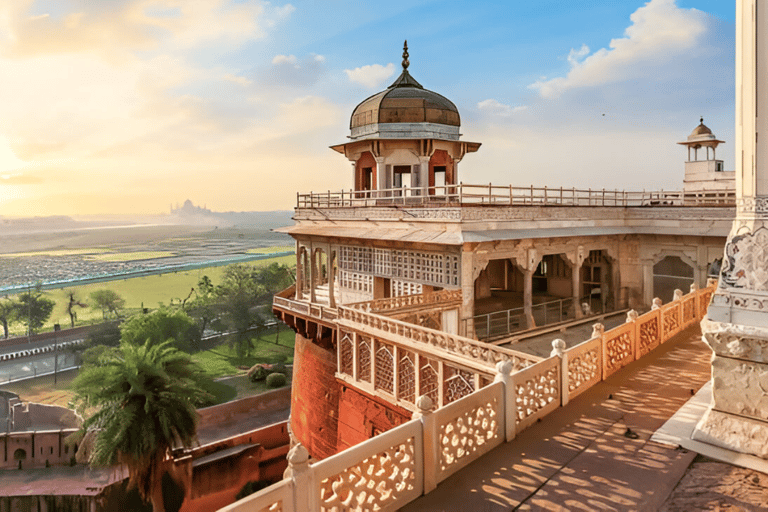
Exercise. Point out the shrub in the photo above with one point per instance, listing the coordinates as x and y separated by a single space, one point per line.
276 380
259 372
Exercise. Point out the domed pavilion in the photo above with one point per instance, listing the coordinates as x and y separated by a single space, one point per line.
405 140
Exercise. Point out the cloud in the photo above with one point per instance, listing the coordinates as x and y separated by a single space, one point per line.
370 75
292 71
230 77
494 107
117 29
660 33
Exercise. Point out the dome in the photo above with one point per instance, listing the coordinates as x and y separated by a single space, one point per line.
701 132
419 112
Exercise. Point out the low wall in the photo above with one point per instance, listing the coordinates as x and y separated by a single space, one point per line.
269 401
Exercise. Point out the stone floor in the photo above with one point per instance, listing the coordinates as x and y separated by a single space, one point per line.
581 458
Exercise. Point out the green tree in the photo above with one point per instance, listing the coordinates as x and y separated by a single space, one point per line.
145 396
273 279
9 313
239 295
205 305
162 325
35 309
108 301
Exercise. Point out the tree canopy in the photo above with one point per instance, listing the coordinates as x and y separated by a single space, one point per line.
34 308
108 301
9 313
162 325
145 395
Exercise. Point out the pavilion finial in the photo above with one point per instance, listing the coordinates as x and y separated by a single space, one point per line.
406 63
701 120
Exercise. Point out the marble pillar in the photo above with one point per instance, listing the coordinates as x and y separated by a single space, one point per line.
736 326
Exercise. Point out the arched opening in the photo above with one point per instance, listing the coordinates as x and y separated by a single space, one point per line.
669 274
365 173
440 173
596 282
20 454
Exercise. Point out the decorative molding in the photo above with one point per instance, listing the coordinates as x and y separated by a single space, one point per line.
755 207
745 265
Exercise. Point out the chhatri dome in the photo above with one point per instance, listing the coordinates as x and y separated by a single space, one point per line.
701 137
393 112
405 137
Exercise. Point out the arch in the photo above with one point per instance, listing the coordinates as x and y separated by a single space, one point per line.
669 273
441 160
20 454
366 174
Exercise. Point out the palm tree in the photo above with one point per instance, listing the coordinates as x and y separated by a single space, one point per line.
145 396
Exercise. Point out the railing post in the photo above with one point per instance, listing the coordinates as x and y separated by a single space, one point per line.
424 406
504 375
490 193
678 294
531 194
461 193
545 194
558 349
598 330
656 303
511 199
304 493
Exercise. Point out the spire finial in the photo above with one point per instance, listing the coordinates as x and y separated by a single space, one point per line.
701 120
406 63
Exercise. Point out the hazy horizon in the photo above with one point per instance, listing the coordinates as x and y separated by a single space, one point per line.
127 106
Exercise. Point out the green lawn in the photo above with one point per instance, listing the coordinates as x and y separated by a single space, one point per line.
223 360
149 291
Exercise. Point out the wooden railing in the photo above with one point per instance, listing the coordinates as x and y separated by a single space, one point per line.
464 193
394 468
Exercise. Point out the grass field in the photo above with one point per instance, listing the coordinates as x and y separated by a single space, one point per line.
265 250
150 292
223 360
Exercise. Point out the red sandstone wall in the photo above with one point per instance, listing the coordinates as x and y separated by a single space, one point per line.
314 398
361 416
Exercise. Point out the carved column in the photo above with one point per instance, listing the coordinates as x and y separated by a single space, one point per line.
736 326
576 259
528 263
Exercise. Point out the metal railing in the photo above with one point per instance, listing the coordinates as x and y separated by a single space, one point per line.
501 323
509 195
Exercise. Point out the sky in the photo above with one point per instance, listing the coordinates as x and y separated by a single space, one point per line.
129 106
